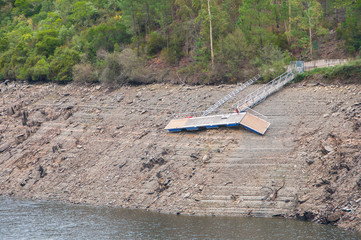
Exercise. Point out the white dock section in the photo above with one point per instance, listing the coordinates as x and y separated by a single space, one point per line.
232 119
247 120
255 124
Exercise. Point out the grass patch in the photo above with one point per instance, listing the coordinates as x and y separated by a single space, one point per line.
347 73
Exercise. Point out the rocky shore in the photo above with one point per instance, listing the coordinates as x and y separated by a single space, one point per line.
96 146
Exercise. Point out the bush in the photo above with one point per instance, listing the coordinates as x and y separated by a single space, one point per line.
350 72
124 68
62 63
106 35
271 62
40 71
156 43
232 56
84 73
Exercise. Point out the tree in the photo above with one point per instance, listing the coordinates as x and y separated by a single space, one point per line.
46 42
256 21
41 70
307 22
83 12
61 64
28 7
351 28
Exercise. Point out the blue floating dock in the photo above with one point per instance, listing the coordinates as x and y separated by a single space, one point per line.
245 119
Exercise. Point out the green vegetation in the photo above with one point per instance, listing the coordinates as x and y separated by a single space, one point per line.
349 72
209 41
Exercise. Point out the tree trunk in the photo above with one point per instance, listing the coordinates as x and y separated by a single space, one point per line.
210 33
148 18
310 33
289 20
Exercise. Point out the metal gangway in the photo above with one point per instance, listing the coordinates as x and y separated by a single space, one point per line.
230 95
273 86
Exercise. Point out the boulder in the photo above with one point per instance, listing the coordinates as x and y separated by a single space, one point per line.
334 217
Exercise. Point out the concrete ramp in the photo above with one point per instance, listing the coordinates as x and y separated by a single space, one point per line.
248 120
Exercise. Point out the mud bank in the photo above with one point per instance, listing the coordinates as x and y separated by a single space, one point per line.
95 146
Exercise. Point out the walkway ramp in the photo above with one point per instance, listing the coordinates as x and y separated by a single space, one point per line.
263 92
247 120
231 95
273 86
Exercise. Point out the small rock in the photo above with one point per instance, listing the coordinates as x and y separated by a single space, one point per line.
334 217
187 195
303 199
42 171
205 158
326 115
4 147
98 87
119 98
346 209
79 146
328 148
68 115
331 190
309 161
120 126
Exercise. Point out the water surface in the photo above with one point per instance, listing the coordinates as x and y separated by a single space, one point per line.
24 219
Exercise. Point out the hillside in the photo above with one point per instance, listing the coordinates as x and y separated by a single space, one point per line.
188 41
93 145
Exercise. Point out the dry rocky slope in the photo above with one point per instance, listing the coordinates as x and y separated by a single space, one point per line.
95 146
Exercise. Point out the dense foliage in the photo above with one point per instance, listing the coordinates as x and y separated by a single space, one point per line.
212 40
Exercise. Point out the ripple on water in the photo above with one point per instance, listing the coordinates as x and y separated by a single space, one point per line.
23 219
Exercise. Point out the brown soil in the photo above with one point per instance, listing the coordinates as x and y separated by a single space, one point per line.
95 146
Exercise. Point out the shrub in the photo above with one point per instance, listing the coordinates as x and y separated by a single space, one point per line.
106 35
271 62
350 72
62 63
232 56
84 73
41 70
124 68
156 43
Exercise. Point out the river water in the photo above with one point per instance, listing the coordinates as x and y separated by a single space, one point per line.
24 219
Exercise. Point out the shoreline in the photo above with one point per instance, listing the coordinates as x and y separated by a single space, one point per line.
92 146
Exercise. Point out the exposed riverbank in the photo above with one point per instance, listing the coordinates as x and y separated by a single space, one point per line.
95 146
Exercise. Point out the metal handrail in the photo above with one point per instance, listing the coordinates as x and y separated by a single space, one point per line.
263 92
230 95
